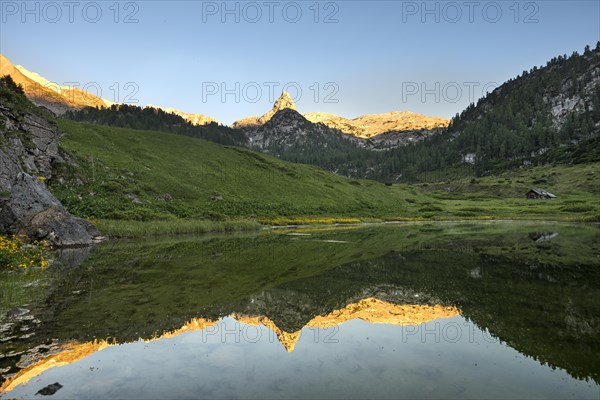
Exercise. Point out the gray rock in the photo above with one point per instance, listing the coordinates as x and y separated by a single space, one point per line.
50 389
29 146
33 211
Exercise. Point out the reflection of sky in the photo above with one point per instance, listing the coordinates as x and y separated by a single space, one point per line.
448 358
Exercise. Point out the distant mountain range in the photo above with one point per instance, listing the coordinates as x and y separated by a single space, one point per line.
397 128
42 92
60 99
547 114
373 132
371 125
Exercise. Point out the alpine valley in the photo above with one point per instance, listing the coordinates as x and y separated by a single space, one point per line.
116 163
149 252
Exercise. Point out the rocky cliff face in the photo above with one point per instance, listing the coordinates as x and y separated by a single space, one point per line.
393 139
288 129
28 150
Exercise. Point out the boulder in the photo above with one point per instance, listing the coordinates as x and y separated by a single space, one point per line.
32 210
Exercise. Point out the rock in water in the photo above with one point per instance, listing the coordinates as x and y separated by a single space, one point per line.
50 389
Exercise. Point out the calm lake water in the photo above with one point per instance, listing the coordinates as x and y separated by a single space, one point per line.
448 310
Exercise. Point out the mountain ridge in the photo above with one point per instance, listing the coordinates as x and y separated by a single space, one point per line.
50 96
370 125
60 99
366 126
284 101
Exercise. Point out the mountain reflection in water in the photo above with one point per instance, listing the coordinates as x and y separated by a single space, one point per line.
370 310
537 300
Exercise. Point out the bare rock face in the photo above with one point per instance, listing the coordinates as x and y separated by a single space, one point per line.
28 149
28 142
285 129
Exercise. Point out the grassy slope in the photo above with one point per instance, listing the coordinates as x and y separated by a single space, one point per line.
151 165
577 188
129 175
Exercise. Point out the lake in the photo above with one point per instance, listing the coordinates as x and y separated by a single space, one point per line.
434 310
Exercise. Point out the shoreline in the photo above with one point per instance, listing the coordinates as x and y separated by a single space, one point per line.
124 229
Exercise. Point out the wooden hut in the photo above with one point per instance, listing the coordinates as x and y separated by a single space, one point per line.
537 194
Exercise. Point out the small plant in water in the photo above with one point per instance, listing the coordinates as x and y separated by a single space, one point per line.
16 252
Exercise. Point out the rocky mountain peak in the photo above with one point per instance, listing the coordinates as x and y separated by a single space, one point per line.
52 96
284 101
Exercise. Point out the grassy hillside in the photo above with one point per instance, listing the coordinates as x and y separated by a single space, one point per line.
548 114
535 118
156 119
127 177
143 175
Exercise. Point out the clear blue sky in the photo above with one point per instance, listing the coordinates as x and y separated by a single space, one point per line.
377 56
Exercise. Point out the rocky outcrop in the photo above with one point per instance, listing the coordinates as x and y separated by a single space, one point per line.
28 150
393 139
32 210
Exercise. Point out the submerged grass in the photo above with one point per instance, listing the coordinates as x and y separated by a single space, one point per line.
135 229
21 288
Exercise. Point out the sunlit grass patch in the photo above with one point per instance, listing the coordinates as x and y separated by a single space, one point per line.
311 220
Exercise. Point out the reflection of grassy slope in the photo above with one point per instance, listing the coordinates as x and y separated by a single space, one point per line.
137 288
141 175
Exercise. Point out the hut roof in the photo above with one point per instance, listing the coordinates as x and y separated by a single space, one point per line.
542 192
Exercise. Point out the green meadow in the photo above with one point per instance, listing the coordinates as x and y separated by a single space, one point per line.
136 183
